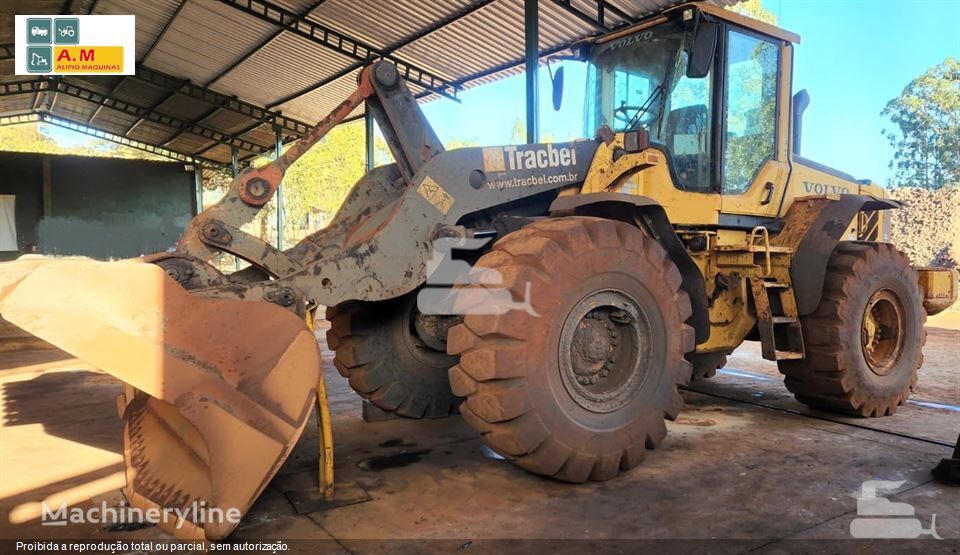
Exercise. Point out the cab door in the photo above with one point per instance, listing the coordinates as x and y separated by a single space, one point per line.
754 163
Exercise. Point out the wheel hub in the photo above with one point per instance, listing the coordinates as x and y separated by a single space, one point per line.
604 350
432 329
594 345
882 331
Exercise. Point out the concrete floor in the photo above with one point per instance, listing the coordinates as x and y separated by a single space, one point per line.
744 463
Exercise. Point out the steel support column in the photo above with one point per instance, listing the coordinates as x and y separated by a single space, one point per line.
234 171
234 163
531 40
279 148
368 137
198 183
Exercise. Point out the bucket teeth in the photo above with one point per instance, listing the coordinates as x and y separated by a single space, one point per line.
223 388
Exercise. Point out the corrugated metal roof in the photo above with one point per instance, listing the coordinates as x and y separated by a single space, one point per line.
152 17
208 68
256 78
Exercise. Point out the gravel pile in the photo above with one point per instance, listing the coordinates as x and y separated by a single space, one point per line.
927 228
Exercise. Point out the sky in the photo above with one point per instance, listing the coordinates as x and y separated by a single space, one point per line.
855 56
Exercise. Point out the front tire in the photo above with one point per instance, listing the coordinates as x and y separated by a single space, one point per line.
580 389
864 342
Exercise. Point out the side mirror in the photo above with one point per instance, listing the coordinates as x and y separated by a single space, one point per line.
704 48
556 79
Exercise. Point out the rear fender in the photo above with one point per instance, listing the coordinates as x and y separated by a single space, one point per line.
812 227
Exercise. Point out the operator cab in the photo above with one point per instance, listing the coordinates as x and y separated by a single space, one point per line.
709 87
640 82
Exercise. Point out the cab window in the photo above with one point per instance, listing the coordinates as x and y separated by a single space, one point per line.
686 129
751 103
630 91
639 82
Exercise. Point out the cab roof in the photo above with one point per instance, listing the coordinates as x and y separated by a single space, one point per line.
713 10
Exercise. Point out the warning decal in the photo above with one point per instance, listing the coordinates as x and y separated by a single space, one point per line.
435 195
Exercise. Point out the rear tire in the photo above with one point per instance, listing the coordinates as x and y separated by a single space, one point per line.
864 342
379 352
580 390
705 365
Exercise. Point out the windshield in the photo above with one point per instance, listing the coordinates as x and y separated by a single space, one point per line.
639 82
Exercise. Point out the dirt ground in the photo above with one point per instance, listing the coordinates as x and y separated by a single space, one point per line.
745 467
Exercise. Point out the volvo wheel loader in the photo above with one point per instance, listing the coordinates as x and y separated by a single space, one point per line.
611 271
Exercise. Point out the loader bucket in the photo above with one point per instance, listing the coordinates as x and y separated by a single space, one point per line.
219 390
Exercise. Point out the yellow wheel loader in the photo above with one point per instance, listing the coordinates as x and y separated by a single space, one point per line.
558 294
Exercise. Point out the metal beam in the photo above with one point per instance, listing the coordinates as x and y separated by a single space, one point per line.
463 81
96 112
280 216
436 26
531 46
153 45
125 141
326 80
598 18
154 107
198 120
512 64
290 125
24 87
341 43
261 45
240 133
16 119
156 117
246 159
163 31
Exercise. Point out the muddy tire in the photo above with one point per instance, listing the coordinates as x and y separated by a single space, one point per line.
580 390
864 341
378 350
705 365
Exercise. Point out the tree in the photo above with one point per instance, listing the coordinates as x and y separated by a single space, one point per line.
518 133
319 181
926 140
754 9
751 115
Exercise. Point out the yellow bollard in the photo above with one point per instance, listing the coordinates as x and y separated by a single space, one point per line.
325 429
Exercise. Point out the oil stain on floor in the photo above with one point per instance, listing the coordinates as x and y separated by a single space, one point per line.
397 460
